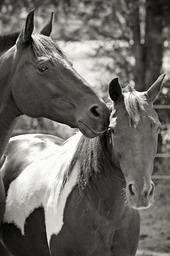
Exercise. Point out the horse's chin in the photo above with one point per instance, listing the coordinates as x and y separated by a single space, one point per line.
86 130
138 205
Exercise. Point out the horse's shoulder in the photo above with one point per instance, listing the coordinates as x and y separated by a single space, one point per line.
24 150
49 139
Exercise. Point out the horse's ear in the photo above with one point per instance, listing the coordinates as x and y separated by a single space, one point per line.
115 90
46 31
153 92
25 36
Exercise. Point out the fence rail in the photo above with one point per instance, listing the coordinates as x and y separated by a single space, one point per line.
161 106
163 155
160 177
151 253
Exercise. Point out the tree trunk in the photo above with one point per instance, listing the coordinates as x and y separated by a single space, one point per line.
138 50
153 41
148 56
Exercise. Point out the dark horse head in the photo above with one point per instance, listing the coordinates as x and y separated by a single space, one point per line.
43 83
134 128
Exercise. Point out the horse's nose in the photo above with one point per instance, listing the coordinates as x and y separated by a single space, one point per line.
150 192
141 195
146 192
95 111
95 120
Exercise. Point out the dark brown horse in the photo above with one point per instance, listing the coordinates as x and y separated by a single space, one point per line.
83 198
37 79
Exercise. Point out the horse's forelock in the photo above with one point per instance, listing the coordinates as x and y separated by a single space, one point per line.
134 103
44 47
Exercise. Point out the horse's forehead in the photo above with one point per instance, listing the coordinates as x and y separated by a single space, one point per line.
52 55
46 48
146 115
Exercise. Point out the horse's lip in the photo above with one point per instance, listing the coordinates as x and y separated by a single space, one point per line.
138 205
142 207
90 133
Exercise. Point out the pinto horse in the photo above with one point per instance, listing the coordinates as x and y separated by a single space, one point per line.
38 80
82 198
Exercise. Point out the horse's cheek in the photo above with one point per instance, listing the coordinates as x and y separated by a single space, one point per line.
26 98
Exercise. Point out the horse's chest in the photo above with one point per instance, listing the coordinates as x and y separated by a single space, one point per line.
83 239
83 233
24 200
33 242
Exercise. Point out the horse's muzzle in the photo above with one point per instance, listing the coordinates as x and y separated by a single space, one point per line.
140 196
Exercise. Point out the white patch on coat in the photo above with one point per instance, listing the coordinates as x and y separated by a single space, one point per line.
39 185
55 208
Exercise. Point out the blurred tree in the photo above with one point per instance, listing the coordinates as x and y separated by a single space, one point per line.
13 12
136 28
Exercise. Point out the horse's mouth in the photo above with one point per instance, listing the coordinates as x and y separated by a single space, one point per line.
87 131
142 207
138 204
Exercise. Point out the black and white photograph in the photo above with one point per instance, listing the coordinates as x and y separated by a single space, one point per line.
85 128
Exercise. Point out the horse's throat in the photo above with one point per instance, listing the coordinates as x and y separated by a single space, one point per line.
103 195
8 117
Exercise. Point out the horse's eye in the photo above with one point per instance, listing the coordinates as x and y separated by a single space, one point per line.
42 68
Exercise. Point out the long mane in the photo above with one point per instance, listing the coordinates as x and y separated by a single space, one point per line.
93 157
134 104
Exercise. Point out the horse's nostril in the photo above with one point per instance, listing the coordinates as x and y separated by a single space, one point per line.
145 193
94 111
131 189
152 190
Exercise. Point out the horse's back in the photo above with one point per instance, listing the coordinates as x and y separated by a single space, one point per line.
23 150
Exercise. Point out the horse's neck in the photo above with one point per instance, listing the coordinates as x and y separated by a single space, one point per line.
6 64
8 114
8 108
105 191
100 170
